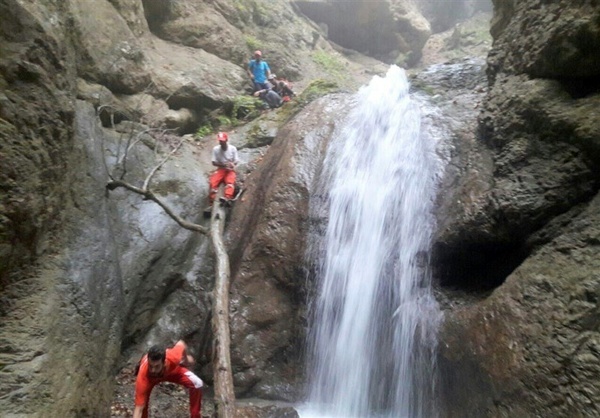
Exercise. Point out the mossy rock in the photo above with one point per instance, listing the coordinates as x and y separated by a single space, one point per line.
246 108
316 89
259 136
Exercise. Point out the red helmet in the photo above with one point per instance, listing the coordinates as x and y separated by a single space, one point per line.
257 53
222 136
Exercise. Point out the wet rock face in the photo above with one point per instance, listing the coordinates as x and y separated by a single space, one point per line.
543 140
546 39
443 15
35 67
456 91
267 239
532 347
382 29
528 348
119 270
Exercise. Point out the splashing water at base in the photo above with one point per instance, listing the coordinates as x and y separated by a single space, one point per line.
374 321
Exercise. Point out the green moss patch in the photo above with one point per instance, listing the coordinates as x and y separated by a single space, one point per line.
317 88
331 64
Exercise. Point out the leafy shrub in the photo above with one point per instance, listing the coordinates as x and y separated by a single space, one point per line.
252 43
204 130
246 108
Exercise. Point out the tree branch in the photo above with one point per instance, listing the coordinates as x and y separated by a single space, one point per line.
159 165
148 195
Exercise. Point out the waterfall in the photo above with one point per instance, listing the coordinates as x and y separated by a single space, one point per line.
374 318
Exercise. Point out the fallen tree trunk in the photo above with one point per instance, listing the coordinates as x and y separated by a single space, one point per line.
223 376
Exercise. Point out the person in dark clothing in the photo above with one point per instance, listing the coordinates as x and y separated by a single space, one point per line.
281 87
269 96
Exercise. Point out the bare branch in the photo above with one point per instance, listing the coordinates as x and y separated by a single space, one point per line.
155 169
123 161
112 122
114 111
129 145
148 195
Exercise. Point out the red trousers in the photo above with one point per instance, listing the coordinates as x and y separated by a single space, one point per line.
186 378
222 175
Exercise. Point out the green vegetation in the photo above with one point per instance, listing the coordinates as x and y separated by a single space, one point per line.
419 84
405 60
204 130
226 121
241 108
260 15
317 88
243 13
251 42
246 108
330 64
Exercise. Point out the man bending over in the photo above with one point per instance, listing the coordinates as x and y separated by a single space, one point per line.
169 365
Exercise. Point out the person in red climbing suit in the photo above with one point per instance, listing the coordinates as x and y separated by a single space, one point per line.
170 365
225 157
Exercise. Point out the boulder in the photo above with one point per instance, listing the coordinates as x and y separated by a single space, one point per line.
145 108
232 30
267 237
532 348
412 27
546 39
205 28
191 78
108 51
133 13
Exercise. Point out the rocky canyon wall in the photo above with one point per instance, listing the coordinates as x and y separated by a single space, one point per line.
528 226
89 277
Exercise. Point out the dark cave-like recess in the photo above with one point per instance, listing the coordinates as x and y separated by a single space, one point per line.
581 87
157 12
476 267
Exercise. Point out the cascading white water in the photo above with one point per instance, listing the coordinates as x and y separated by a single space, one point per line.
373 335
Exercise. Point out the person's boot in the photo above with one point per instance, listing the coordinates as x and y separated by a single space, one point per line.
225 202
207 211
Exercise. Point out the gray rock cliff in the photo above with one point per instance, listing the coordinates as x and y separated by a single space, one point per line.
527 228
89 278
